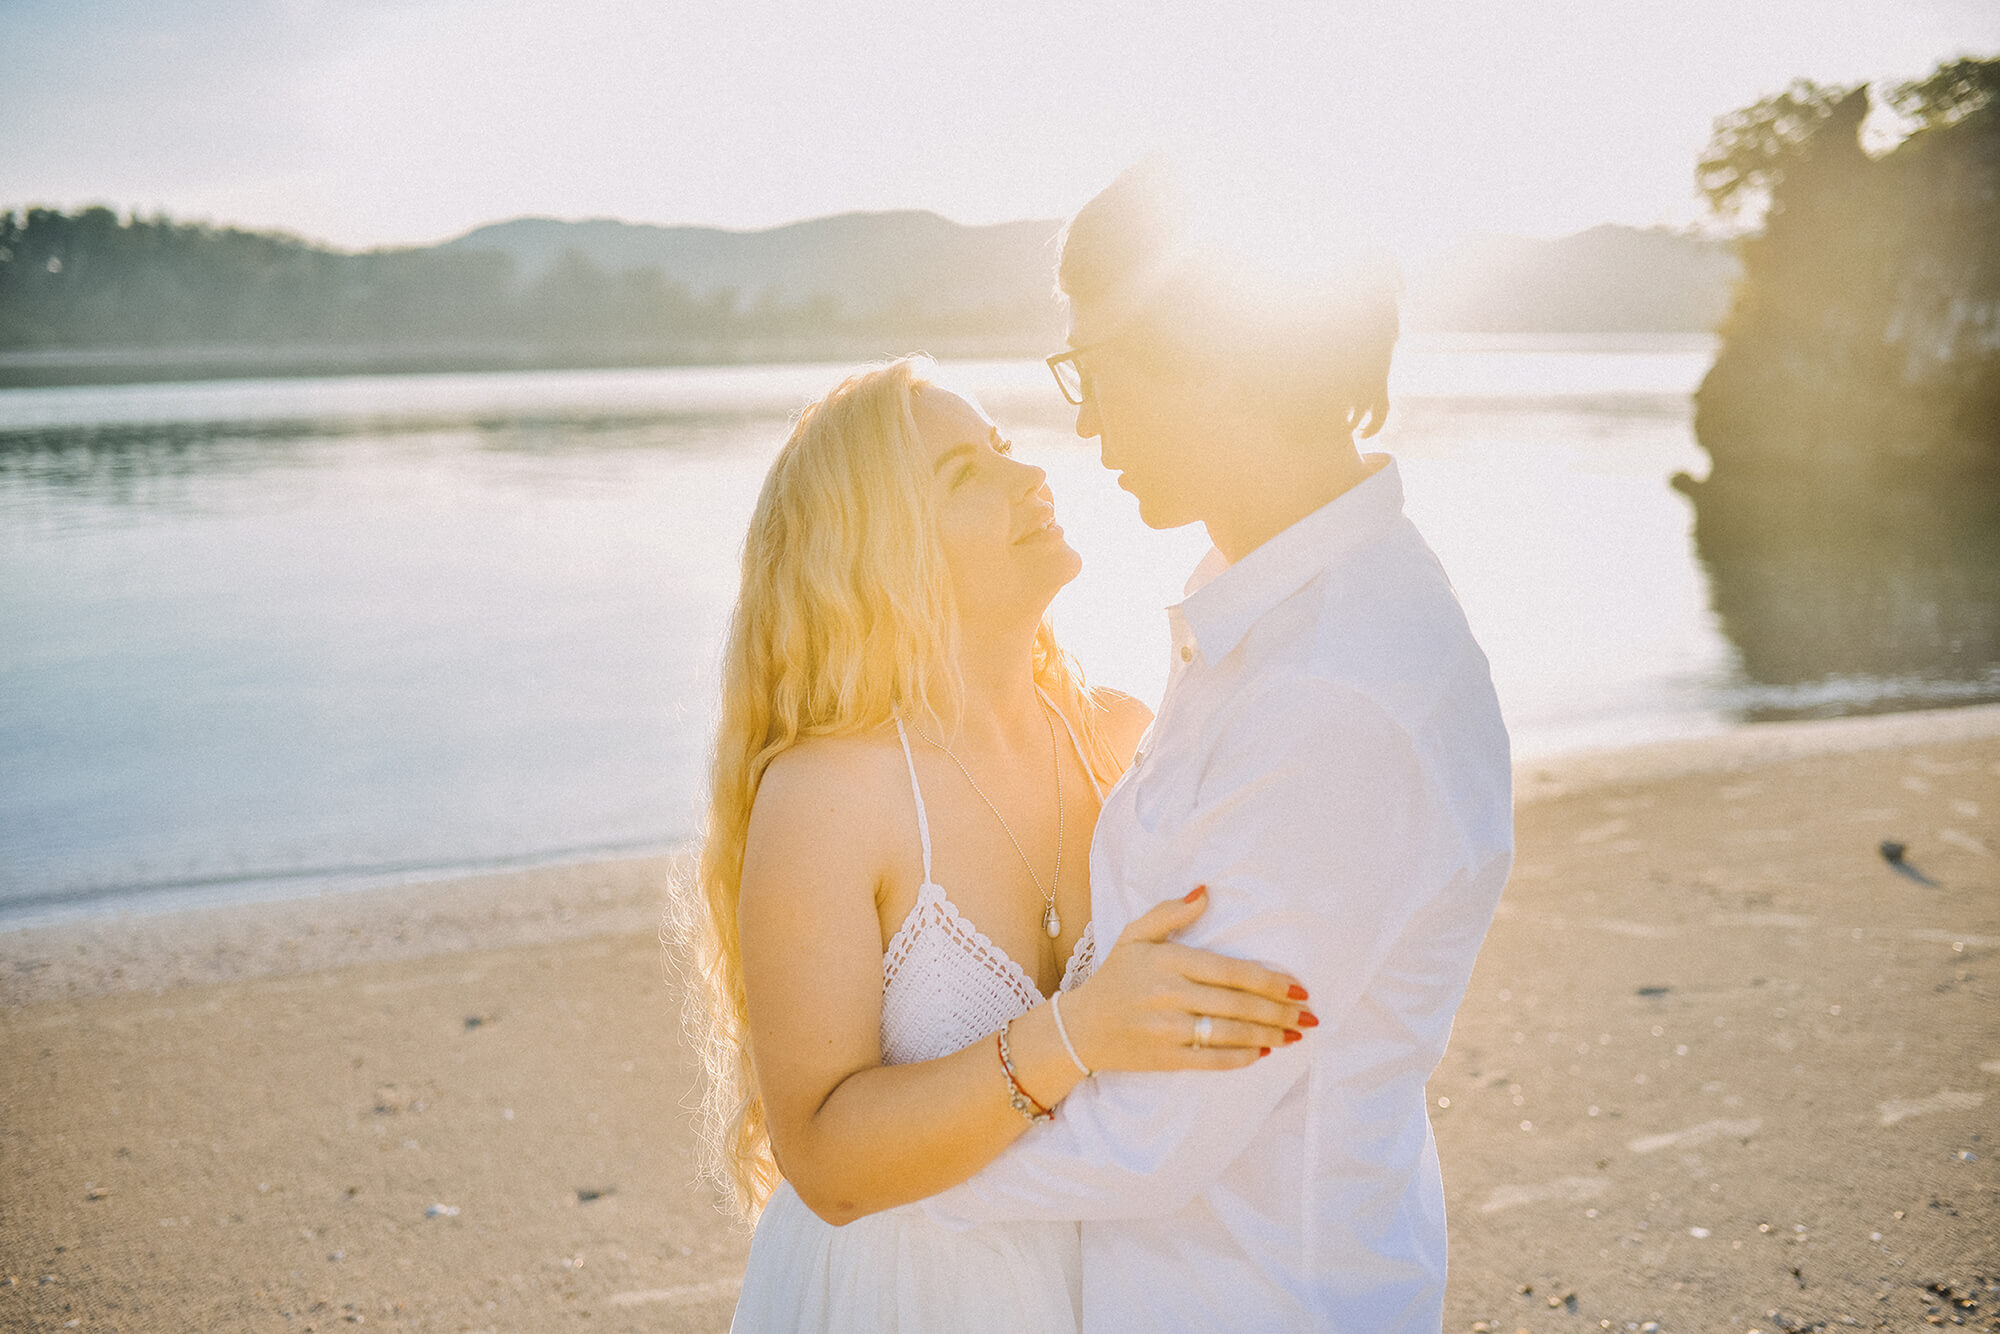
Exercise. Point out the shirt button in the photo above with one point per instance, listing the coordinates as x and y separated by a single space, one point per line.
1187 653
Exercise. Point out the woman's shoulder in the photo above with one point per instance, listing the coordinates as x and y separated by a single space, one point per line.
829 806
1121 719
848 773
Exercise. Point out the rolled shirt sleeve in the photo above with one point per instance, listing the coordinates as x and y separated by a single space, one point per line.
1320 833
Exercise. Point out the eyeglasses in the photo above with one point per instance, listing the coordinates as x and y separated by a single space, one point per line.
1071 377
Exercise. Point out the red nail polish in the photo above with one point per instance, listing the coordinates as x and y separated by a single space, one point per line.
1263 1051
1292 1035
1195 893
1297 992
1307 1019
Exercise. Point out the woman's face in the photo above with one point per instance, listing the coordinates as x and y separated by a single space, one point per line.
996 518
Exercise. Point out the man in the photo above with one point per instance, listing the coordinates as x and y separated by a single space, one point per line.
1328 759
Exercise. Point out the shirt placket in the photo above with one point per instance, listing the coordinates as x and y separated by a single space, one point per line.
1182 652
1185 651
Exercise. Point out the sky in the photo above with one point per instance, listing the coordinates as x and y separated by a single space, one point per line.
390 122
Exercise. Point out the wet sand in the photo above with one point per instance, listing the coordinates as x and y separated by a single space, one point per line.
1721 1067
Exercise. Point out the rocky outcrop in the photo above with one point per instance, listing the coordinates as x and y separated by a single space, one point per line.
1863 347
1850 523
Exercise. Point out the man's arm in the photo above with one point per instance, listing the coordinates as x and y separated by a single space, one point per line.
1320 834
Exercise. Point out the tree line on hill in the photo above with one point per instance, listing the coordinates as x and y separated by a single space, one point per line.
92 279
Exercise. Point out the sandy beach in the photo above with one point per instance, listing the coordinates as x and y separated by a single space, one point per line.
1722 1067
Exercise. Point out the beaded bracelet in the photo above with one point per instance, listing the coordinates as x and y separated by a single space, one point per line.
1017 1095
1055 1008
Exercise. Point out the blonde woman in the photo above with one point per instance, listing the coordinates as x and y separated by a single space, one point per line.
892 918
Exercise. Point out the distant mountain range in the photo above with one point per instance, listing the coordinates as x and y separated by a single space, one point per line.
874 265
918 265
1609 278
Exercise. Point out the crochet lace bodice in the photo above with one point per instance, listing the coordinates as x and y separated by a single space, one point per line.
945 985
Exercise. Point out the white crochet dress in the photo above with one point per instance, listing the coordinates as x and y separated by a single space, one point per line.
944 986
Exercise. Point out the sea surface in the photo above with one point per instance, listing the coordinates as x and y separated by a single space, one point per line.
264 638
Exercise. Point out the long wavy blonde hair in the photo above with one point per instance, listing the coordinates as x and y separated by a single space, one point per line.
845 619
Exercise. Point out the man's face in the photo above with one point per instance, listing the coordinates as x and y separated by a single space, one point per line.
1152 428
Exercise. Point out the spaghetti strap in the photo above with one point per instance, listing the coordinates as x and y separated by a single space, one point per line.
923 821
1075 741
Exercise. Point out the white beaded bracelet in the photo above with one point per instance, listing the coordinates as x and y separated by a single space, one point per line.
1055 1008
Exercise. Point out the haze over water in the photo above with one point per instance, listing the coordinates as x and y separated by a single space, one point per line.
267 637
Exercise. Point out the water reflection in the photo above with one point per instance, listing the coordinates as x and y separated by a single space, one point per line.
167 466
1843 609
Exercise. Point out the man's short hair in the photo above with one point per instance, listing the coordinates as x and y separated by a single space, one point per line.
1309 333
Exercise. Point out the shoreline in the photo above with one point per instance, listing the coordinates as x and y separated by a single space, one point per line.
89 367
227 892
48 368
1749 746
406 921
143 948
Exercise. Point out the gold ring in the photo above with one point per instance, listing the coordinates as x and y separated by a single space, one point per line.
1204 1028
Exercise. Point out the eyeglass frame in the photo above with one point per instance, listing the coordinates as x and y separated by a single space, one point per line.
1055 364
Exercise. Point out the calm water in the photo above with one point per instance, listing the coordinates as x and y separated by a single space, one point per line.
269 637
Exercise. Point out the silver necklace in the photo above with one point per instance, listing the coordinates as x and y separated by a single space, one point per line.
1051 919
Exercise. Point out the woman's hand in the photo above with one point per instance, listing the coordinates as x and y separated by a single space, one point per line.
1142 1008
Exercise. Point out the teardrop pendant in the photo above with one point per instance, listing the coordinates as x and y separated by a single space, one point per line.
1052 922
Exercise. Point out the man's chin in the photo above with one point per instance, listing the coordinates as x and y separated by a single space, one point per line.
1158 514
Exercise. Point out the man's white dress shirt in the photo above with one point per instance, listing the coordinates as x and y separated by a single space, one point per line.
1329 760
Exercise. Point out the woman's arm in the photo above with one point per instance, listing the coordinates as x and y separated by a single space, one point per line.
854 1136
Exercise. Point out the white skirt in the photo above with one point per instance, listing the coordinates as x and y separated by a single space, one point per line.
897 1272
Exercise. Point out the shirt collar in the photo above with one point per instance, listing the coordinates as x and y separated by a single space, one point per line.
1223 600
